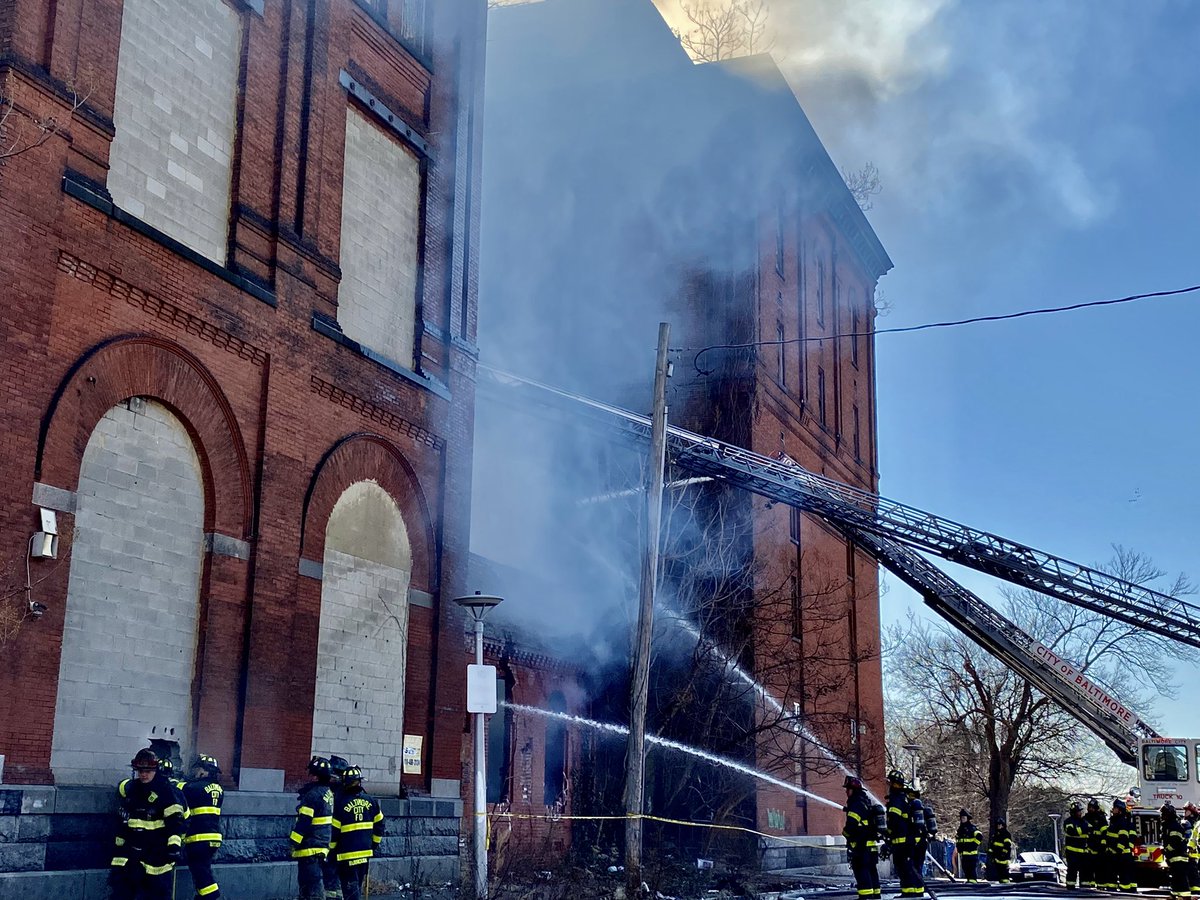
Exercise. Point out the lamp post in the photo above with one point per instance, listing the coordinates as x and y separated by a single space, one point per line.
478 605
1054 817
913 750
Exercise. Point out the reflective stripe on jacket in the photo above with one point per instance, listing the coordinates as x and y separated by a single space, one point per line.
204 798
314 819
357 828
1076 832
152 825
968 839
860 832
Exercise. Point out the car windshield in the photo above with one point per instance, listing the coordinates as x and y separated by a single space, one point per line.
1038 857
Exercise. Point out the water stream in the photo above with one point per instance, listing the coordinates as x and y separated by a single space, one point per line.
611 728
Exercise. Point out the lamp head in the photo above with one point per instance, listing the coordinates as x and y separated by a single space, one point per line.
478 604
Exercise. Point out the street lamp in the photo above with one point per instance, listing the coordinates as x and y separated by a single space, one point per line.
913 750
481 700
1054 817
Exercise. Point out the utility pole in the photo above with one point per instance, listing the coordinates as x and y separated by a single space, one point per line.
635 774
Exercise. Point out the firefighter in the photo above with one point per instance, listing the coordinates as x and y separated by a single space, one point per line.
357 832
1175 851
1118 846
967 841
1097 835
1191 818
204 796
901 836
1000 851
329 870
1076 832
311 832
862 839
150 837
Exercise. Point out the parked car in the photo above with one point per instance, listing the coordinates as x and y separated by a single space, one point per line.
1038 865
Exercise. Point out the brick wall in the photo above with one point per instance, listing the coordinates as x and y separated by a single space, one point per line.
175 117
284 414
380 225
129 641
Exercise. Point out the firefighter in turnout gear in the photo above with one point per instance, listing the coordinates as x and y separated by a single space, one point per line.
329 870
862 839
1076 832
967 841
1191 819
1118 847
1000 851
150 837
1175 852
1098 829
310 835
901 835
204 796
357 832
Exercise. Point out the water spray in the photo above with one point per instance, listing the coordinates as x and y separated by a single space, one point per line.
614 729
767 697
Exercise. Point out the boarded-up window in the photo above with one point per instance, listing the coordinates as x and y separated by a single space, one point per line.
176 117
555 780
381 224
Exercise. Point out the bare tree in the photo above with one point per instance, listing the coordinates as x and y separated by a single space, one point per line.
23 130
723 29
863 184
989 731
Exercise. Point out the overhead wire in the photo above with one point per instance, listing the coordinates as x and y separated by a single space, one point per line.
926 326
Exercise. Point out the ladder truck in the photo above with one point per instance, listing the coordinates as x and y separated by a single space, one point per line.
1168 768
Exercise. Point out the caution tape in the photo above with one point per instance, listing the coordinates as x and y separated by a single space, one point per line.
645 817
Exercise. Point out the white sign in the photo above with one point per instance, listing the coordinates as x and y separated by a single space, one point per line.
412 754
1098 695
481 689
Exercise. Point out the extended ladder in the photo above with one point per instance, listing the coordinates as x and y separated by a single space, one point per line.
870 514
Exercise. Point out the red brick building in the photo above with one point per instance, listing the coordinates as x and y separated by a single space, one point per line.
655 189
238 365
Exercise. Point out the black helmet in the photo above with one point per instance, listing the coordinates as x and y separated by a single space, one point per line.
1076 807
338 765
319 766
145 759
896 777
166 766
208 764
852 783
1000 823
964 812
1119 805
352 777
1093 803
1168 810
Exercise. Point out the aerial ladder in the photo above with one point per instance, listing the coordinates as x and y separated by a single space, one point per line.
863 513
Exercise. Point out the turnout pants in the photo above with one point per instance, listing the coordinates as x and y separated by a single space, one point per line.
1125 872
333 882
1000 871
1087 869
311 878
911 884
970 862
1194 875
199 860
865 866
1106 872
353 878
133 882
1076 861
1181 882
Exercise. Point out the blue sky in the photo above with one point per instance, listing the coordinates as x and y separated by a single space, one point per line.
1032 154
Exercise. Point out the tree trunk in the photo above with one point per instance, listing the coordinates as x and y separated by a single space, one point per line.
1000 782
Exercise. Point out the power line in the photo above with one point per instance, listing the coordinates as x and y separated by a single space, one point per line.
1000 317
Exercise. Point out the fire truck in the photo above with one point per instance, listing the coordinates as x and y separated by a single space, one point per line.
893 533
